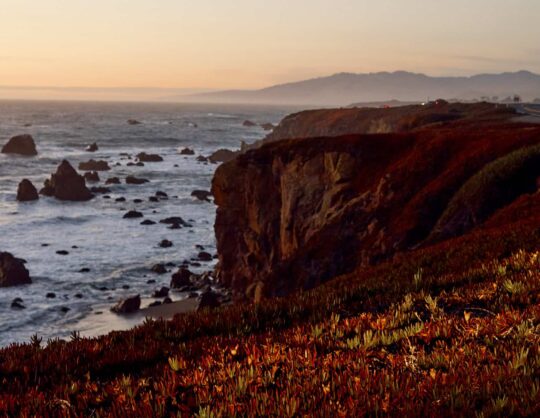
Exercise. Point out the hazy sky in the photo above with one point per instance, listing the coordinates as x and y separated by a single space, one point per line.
255 43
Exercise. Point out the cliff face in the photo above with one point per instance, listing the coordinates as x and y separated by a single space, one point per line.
295 213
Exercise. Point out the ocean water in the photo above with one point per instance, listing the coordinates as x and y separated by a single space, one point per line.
119 252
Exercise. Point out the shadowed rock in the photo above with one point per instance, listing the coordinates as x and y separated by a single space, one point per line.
132 214
92 147
93 165
149 158
209 300
187 151
202 195
66 184
135 180
127 306
20 144
12 271
26 191
181 278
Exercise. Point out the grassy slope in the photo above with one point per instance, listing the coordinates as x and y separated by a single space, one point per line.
444 330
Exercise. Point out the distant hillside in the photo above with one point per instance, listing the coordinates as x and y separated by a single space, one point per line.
346 88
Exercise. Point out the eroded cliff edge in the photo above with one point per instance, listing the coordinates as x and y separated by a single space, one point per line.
297 212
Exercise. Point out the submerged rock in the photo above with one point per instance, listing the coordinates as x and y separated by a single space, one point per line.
133 122
12 271
249 124
101 190
202 195
91 176
187 151
159 269
66 184
113 180
20 144
132 214
174 220
165 243
26 191
92 147
135 180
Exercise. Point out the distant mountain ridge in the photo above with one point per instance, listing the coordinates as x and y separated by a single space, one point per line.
343 89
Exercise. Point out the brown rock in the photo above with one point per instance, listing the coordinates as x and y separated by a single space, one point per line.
113 180
92 147
202 195
133 214
93 165
66 184
127 306
187 151
135 180
161 293
159 269
26 191
20 144
149 158
12 271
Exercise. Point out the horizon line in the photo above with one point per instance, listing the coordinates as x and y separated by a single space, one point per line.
218 89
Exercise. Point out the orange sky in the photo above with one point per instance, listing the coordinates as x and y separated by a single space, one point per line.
255 43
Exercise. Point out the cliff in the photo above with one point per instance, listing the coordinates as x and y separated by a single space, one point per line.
295 213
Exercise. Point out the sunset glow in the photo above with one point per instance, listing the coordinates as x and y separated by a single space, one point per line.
255 43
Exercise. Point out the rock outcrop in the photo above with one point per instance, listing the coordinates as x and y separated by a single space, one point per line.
128 305
20 144
136 180
93 165
295 213
26 191
204 195
12 271
149 158
66 184
92 147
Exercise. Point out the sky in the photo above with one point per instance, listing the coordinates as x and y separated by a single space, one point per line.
225 44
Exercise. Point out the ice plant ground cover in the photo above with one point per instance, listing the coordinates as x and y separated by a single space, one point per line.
442 331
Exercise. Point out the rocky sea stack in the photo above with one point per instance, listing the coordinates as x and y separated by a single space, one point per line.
26 191
20 144
66 184
12 271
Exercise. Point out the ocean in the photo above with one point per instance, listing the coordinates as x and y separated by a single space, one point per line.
118 252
